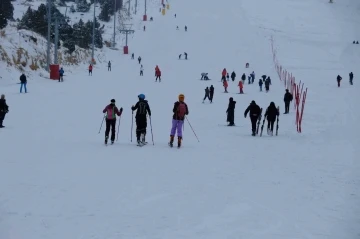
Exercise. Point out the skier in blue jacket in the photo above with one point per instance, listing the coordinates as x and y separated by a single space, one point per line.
61 74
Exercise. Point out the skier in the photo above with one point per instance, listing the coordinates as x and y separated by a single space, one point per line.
225 84
249 80
351 77
177 27
4 109
260 84
180 57
180 111
268 79
185 55
255 112
270 114
227 76
111 111
231 112
143 108
211 93
61 74
338 78
157 74
252 77
207 94
223 74
132 56
151 19
233 75
241 86
288 97
267 84
243 78
109 66
141 70
186 28
90 69
23 82
139 59
175 15
144 28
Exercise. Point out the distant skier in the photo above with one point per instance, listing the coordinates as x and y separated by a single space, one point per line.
144 28
270 114
211 93
225 84
207 94
4 109
23 83
109 66
255 112
243 78
139 59
241 86
185 55
61 74
180 56
252 77
263 77
249 80
231 112
233 76
141 70
177 27
111 111
90 69
260 84
223 74
132 56
351 77
186 28
142 109
175 15
267 84
157 74
338 78
288 97
180 111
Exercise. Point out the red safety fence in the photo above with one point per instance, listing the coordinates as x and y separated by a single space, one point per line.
295 89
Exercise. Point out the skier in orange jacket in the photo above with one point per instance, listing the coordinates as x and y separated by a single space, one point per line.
241 86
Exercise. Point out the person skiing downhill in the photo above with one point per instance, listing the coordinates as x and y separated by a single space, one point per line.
111 111
61 74
288 97
338 78
260 84
109 66
252 77
142 109
211 93
241 86
243 77
351 77
132 56
270 114
231 112
180 111
255 112
141 70
207 94
139 59
233 76
4 109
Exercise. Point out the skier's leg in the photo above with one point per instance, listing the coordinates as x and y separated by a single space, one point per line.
179 131
107 130
173 131
253 124
113 125
2 117
25 87
21 87
272 125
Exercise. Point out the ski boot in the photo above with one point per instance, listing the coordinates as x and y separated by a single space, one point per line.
112 141
171 143
253 133
179 141
143 139
106 139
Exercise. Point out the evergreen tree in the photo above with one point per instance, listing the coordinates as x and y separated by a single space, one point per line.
82 35
98 39
105 14
26 20
82 6
6 12
39 20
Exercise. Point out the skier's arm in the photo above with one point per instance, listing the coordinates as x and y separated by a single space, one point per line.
135 107
175 107
187 109
118 112
105 109
246 111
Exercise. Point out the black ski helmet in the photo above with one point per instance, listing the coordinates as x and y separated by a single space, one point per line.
112 101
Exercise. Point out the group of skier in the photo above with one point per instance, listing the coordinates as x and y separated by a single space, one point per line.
339 79
142 108
209 93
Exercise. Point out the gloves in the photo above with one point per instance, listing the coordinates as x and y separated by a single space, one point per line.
121 110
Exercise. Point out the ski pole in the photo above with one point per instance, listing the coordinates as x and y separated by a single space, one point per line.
102 123
132 124
192 129
117 135
152 136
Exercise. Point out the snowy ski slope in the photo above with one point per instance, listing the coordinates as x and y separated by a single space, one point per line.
58 180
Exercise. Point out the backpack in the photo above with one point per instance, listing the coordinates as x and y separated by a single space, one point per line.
142 108
181 110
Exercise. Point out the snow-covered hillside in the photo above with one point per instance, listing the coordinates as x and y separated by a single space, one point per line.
58 180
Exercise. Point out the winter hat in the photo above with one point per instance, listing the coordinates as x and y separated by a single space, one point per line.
181 97
253 102
112 101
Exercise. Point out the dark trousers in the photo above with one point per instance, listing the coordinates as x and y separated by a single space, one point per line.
351 81
271 125
110 123
90 72
141 73
206 96
254 120
287 107
158 77
211 97
141 125
61 78
2 117
109 68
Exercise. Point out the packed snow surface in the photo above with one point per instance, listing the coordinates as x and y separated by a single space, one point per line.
58 180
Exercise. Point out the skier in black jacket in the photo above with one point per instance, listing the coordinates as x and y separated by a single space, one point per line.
4 109
231 112
211 93
243 78
143 108
270 114
23 82
288 97
255 112
207 94
338 79
233 76
351 77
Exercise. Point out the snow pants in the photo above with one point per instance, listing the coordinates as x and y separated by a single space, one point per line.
241 91
206 96
21 87
141 125
110 123
287 107
271 125
2 117
254 120
177 126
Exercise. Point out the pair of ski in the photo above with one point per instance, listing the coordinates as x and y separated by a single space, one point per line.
262 126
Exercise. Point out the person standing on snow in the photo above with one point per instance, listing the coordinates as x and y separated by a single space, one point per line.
241 86
142 109
111 111
139 59
255 112
338 78
4 109
61 74
231 112
233 76
185 54
267 84
180 111
252 77
351 77
23 82
243 78
207 94
225 84
288 97
132 56
223 74
90 69
141 70
109 66
260 84
270 114
157 73
211 93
